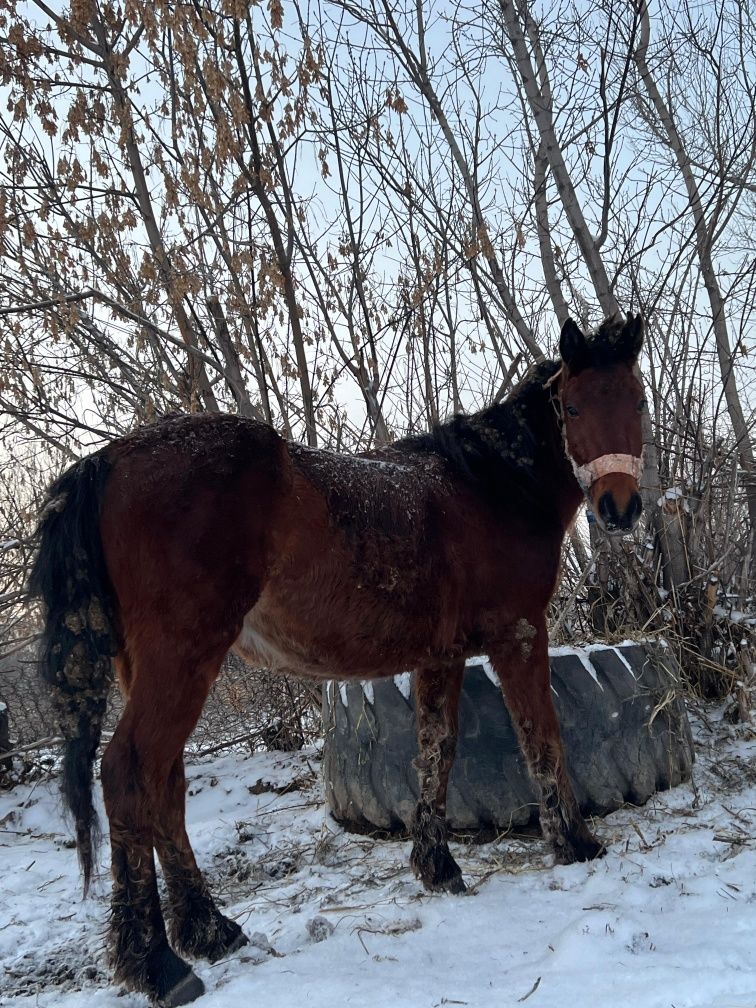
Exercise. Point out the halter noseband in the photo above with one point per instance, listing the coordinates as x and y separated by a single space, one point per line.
587 474
590 472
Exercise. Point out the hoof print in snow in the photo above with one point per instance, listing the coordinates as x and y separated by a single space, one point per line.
319 929
400 927
258 949
625 730
640 943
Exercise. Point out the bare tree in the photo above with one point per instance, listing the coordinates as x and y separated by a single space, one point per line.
350 218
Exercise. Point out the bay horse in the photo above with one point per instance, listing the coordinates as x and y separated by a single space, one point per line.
205 533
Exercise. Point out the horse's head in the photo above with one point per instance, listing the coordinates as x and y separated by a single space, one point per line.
601 404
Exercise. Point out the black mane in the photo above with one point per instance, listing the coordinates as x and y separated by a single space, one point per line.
499 449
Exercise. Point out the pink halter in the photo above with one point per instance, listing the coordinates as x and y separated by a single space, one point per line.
587 474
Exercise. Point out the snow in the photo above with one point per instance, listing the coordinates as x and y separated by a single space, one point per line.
735 615
625 662
581 653
403 683
667 918
672 494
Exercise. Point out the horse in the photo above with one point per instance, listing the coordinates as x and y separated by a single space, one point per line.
206 533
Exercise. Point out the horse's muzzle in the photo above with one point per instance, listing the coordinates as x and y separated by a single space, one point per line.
611 484
615 519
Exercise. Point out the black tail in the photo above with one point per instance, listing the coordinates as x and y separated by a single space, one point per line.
80 634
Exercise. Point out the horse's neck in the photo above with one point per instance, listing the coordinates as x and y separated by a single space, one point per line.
533 408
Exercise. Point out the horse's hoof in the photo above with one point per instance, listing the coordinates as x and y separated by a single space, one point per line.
583 849
184 992
437 870
454 884
164 977
239 941
210 936
229 937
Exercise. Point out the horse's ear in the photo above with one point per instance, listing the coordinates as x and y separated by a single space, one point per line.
632 337
572 344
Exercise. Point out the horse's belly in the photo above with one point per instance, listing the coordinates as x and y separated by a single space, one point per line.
257 649
329 647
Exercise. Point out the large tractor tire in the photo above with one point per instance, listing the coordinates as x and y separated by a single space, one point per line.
624 726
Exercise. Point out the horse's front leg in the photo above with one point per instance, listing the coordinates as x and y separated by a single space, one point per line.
436 704
522 665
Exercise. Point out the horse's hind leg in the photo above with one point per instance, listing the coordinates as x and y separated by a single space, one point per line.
436 703
141 956
197 927
139 787
523 669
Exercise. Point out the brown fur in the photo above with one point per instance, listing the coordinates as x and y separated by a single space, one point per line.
216 534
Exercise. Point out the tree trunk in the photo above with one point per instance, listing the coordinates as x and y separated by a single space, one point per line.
704 236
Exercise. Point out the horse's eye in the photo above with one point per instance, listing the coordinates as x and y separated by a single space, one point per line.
572 411
642 405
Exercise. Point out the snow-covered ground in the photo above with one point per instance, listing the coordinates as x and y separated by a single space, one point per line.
667 919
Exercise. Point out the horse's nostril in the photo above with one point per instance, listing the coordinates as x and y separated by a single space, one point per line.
607 509
614 519
634 509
